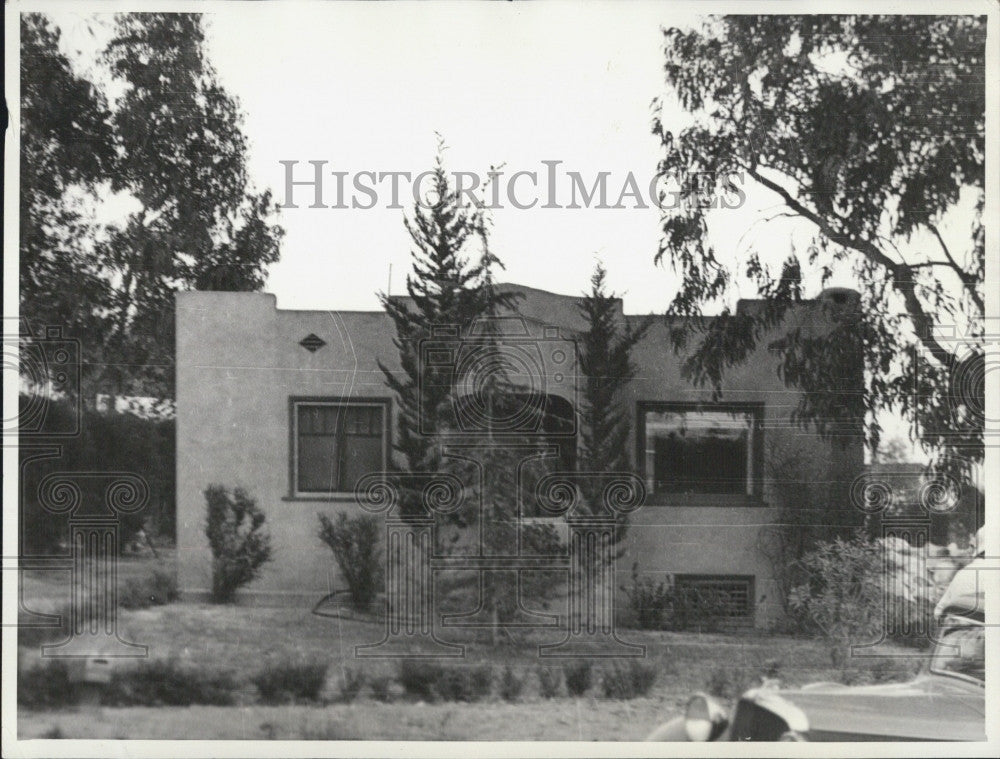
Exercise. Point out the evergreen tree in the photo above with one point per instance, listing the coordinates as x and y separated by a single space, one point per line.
606 364
445 290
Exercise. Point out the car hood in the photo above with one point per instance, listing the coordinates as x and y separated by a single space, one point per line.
927 708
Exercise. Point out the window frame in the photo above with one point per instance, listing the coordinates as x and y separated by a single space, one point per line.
754 409
294 403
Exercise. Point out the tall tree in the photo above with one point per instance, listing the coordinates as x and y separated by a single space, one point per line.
871 129
445 289
182 156
607 366
171 142
66 148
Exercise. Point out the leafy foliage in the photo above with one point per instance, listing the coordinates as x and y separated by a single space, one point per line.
629 679
649 601
355 545
168 682
433 681
579 675
240 545
511 684
293 680
449 288
381 687
158 589
65 144
107 442
170 142
814 505
842 596
730 681
870 130
45 685
549 681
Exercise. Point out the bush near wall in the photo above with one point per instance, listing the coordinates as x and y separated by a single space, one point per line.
355 544
107 442
240 545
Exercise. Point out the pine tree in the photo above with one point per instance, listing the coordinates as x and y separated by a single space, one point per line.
606 363
446 289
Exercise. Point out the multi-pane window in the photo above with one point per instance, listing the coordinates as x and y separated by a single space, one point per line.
701 450
337 443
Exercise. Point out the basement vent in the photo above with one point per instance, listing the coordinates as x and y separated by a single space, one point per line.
312 343
729 597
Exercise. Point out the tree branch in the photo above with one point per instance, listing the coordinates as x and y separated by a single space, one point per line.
968 280
902 278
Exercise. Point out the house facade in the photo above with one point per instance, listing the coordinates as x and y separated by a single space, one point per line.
293 407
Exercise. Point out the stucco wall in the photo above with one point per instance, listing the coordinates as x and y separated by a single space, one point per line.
239 361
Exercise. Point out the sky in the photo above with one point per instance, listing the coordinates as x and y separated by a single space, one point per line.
368 87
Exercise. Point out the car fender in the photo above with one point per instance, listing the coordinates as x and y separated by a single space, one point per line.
669 731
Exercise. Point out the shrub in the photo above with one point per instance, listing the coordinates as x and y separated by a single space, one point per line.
464 682
156 590
549 681
355 545
106 442
418 678
578 676
292 680
649 601
432 681
381 687
628 679
351 684
842 596
235 534
156 682
44 685
511 684
729 681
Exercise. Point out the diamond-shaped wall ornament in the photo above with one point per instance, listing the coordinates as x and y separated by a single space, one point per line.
312 343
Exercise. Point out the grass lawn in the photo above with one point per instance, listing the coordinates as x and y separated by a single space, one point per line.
246 638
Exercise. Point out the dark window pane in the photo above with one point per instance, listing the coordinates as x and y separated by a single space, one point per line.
362 455
337 444
698 452
317 464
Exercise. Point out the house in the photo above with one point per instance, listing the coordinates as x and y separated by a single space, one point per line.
292 406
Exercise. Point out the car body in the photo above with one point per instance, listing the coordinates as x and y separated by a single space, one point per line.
945 702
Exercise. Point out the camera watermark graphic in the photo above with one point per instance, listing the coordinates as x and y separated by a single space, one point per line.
463 364
94 539
314 184
45 366
903 503
412 616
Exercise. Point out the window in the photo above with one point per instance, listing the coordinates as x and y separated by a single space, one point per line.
336 443
718 596
710 450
